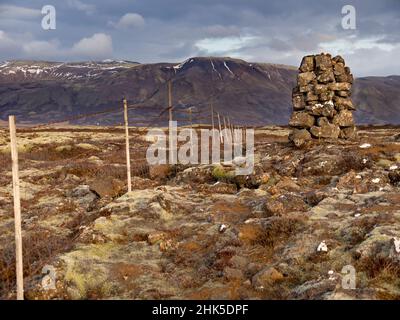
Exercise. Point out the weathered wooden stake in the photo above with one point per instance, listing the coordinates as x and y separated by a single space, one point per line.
170 99
220 129
171 144
230 129
17 210
191 125
128 155
212 116
226 137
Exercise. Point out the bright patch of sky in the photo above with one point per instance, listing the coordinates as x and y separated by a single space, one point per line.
225 45
350 45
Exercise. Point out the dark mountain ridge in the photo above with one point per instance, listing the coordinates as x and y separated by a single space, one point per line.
250 93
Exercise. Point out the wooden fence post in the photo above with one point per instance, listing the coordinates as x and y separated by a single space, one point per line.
220 129
171 144
17 210
226 138
230 129
212 116
128 155
170 99
191 125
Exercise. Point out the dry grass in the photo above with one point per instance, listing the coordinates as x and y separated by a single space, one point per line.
5 162
40 246
361 227
49 152
278 229
377 266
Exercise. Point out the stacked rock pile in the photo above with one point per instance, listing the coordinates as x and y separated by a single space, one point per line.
322 107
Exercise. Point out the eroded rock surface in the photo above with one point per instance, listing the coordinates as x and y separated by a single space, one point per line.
284 232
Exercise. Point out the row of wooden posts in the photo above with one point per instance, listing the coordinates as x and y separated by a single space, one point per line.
227 124
16 184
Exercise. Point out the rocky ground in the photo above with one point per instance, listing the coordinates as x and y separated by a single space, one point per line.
285 232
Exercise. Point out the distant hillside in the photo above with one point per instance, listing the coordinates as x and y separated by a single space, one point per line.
252 93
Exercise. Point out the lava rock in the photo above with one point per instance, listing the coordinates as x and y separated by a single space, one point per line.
321 100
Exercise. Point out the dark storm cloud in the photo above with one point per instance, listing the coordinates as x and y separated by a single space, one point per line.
278 31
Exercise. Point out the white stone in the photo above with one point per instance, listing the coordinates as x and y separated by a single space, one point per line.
396 242
365 146
322 247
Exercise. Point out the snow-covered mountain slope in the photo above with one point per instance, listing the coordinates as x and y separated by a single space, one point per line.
30 70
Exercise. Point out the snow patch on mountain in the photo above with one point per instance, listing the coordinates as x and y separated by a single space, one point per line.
226 66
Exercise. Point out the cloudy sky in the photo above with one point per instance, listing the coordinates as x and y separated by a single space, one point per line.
277 31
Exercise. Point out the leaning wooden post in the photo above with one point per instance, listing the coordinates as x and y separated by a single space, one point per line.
212 116
128 155
230 128
17 210
171 144
191 125
220 129
226 138
170 100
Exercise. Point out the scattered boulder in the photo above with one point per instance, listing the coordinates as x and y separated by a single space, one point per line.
232 274
107 187
219 187
266 277
83 195
198 174
313 290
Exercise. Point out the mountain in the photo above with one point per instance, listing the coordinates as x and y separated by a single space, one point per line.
377 100
250 93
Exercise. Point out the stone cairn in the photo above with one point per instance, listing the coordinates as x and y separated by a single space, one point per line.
322 107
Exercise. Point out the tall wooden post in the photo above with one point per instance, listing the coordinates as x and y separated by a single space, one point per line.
212 117
171 144
170 99
220 128
230 129
191 125
128 155
17 210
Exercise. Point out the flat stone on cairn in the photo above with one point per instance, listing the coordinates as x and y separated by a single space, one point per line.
322 107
